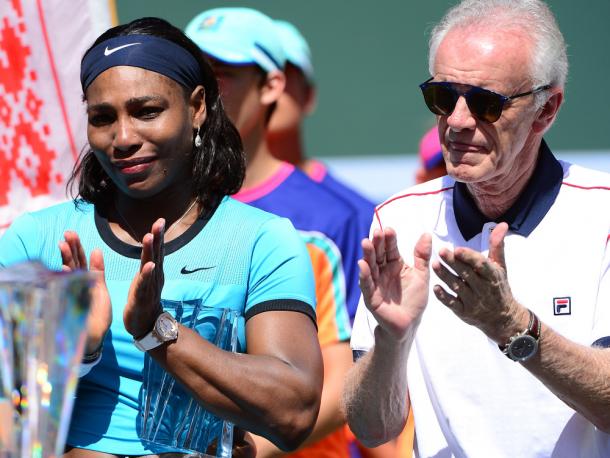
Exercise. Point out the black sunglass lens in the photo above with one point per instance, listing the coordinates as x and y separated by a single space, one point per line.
440 99
485 105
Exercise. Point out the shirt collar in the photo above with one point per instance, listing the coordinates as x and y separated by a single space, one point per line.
529 209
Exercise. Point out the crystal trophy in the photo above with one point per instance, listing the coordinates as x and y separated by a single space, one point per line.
172 421
42 338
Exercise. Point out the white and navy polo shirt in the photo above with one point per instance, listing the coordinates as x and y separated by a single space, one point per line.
468 399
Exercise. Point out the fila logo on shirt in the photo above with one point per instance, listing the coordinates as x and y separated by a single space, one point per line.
562 305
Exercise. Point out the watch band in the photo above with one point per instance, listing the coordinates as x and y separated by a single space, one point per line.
534 328
148 342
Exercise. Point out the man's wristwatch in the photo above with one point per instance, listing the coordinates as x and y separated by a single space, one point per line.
524 345
164 330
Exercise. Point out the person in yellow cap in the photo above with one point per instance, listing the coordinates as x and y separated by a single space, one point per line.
285 136
249 61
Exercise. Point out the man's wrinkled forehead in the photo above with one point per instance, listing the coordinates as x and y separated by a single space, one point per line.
472 49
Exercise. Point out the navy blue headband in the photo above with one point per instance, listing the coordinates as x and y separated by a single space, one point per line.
144 51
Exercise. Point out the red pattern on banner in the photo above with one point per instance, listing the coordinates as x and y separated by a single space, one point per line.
17 7
29 150
33 104
52 66
5 168
12 76
5 112
24 151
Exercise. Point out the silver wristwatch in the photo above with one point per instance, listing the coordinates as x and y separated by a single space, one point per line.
524 345
164 330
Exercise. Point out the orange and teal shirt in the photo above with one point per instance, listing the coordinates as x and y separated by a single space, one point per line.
326 224
363 208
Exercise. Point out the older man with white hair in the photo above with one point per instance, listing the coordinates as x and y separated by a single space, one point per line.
501 349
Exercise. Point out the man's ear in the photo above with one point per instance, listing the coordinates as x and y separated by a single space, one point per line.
197 105
273 87
547 114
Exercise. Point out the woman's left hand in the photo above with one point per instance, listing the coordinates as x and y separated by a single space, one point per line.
144 297
100 312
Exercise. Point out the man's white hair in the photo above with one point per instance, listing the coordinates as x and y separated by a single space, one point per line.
549 60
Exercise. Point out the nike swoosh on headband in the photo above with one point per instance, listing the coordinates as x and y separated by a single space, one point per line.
108 51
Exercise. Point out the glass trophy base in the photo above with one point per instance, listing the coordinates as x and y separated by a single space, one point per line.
171 419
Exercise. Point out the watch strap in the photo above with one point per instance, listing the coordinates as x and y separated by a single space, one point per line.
534 328
148 342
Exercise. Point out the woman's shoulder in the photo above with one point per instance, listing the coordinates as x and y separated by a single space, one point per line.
70 208
34 235
54 215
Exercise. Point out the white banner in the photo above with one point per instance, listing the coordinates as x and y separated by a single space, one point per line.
42 116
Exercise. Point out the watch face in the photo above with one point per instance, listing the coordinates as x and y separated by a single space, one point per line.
522 348
166 327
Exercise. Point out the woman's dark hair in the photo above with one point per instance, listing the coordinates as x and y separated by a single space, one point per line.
218 164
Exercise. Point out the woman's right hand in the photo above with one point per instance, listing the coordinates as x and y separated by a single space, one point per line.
100 312
143 304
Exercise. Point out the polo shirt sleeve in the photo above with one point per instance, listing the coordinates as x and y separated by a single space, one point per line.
363 331
281 276
20 242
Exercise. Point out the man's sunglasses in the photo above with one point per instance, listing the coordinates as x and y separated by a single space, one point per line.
485 105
